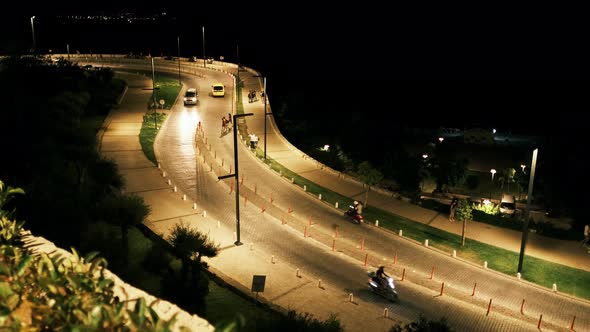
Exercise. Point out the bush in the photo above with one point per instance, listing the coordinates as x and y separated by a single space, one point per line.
489 208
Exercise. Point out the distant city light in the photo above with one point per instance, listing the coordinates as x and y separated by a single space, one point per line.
325 148
493 131
425 156
441 139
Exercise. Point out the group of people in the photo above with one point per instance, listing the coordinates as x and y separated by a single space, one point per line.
226 123
252 96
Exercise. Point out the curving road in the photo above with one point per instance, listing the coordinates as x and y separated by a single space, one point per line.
343 270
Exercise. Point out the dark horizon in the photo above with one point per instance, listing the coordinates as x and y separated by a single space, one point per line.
412 72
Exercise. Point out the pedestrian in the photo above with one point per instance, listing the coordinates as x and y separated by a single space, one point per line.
452 209
262 95
223 124
253 95
229 117
250 96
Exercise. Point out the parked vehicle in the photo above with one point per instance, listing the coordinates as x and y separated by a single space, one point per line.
508 205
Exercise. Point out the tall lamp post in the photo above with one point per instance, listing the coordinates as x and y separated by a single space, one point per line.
204 60
178 44
236 176
154 96
265 114
33 30
493 171
525 227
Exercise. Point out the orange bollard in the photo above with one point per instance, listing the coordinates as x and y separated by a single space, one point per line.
271 199
336 231
473 293
242 180
245 199
363 244
283 220
442 289
231 188
229 168
310 219
289 210
395 258
262 209
432 273
333 244
255 189
539 324
522 307
404 274
366 259
489 307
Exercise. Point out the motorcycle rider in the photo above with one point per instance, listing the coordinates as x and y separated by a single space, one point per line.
381 275
358 207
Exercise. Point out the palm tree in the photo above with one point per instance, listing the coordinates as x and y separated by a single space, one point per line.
125 211
190 246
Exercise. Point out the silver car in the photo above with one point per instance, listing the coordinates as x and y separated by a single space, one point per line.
190 96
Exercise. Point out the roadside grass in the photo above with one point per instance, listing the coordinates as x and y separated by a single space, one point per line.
147 134
167 88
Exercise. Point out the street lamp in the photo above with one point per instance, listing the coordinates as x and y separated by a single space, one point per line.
525 227
178 44
493 171
441 139
523 167
33 30
204 60
236 176
265 114
154 96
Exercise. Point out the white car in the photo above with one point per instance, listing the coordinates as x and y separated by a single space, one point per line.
190 96
508 205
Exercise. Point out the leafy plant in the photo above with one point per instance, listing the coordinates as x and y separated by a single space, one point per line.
489 208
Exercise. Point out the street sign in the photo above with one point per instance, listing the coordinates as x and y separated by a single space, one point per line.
258 283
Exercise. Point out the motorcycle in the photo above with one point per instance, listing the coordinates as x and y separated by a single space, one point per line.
351 212
387 291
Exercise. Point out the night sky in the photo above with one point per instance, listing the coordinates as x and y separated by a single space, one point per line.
461 64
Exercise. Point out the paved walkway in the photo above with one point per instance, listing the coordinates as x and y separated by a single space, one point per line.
285 288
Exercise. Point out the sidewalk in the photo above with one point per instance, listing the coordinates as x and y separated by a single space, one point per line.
568 253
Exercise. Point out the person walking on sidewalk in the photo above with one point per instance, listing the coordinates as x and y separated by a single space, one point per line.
223 124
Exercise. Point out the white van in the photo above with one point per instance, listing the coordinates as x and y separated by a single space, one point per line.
218 90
